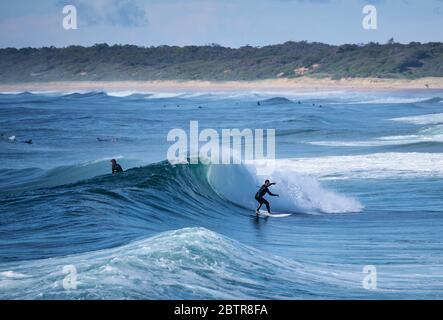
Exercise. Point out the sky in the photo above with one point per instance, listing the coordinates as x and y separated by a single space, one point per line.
233 23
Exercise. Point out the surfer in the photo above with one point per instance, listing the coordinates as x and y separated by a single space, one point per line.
116 167
260 194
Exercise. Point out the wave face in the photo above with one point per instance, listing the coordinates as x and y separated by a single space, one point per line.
361 176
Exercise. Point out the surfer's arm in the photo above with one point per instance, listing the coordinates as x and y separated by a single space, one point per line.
272 194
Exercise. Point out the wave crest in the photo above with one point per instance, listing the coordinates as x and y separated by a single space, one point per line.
298 192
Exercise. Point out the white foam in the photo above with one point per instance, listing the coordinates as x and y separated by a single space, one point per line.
371 166
298 192
164 95
434 118
122 94
12 275
383 141
430 134
11 92
393 100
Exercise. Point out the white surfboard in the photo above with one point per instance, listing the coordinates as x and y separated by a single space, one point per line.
273 215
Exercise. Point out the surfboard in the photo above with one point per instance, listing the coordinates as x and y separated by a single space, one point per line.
273 215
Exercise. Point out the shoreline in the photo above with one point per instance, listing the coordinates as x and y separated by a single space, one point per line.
302 84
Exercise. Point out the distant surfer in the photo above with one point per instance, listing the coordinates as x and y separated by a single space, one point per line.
116 167
264 189
107 140
13 139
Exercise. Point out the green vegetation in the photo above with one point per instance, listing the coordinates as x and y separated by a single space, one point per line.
213 62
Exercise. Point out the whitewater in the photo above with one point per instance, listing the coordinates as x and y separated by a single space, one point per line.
361 173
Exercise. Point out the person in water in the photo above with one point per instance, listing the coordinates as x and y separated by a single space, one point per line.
116 167
264 189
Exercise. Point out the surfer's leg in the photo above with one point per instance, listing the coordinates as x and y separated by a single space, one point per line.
259 200
258 208
267 205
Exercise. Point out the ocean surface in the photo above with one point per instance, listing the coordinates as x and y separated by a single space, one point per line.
361 173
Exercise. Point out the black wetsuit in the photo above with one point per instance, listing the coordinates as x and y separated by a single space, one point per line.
116 168
259 197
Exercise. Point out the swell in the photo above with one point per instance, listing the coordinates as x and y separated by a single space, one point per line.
197 263
110 210
190 263
104 211
19 180
236 183
51 96
266 98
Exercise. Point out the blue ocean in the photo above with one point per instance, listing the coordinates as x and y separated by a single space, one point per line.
360 172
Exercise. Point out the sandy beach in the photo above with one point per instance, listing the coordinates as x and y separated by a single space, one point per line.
303 83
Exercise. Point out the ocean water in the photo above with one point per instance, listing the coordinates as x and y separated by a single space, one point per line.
362 173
